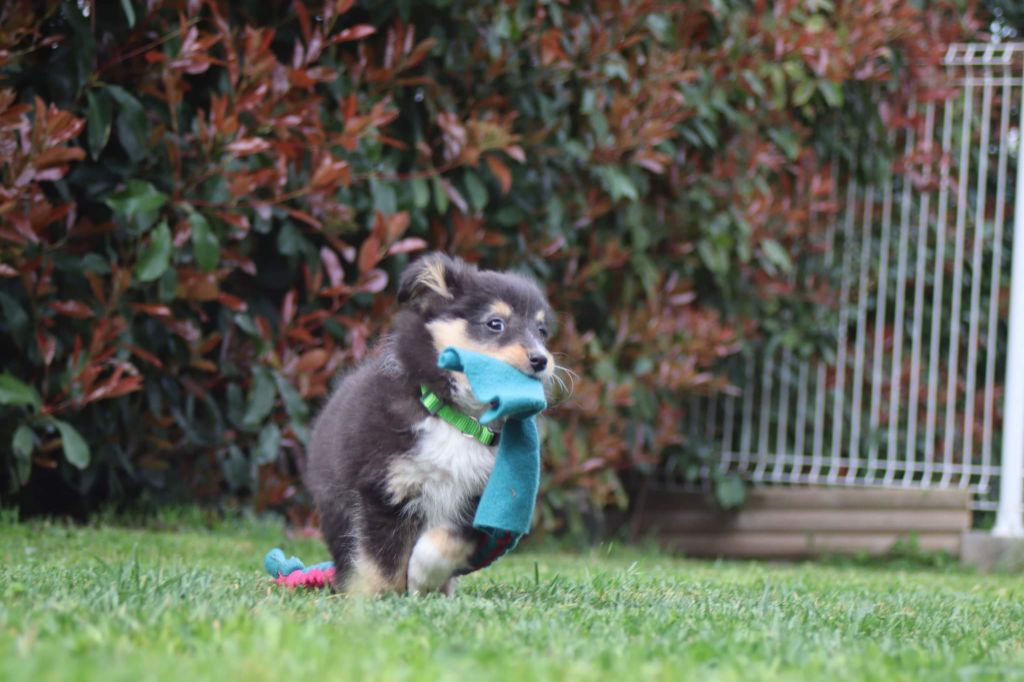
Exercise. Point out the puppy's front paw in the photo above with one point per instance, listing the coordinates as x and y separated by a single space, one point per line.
436 556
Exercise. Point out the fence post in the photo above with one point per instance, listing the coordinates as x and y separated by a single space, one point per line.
1011 469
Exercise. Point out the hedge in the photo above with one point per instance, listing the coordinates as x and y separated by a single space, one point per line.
204 206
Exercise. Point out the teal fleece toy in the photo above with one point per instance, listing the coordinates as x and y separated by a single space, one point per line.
511 493
506 506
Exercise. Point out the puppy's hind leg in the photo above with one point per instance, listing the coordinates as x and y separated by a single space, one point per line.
436 556
381 555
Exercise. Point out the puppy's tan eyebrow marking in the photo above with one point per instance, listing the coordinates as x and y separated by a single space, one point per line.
500 308
539 317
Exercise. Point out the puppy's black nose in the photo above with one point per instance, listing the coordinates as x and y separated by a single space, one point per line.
538 361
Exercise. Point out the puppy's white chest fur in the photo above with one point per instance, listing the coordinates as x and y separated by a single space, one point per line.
440 474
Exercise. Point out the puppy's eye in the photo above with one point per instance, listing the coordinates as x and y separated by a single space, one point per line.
496 324
543 332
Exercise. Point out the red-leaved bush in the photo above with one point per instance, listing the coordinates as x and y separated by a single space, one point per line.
204 205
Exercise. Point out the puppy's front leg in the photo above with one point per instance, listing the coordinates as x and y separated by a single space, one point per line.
436 556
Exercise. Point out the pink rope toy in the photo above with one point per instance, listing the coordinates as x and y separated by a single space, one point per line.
291 572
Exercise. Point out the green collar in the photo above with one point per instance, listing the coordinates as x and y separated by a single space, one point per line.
463 422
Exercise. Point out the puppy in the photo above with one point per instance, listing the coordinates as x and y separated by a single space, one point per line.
396 487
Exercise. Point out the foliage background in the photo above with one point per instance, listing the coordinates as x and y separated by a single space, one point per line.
203 206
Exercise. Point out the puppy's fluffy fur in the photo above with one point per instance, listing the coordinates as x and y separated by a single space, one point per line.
396 488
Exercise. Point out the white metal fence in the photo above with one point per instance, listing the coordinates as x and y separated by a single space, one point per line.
916 393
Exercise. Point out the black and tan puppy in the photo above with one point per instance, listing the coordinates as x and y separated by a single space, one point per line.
396 488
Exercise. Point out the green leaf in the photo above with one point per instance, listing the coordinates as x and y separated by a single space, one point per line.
99 114
16 319
832 92
420 193
289 240
804 91
205 245
440 196
384 199
76 450
23 442
261 397
167 286
476 190
129 12
156 257
93 262
730 491
138 204
296 407
132 126
14 392
268 444
777 255
617 183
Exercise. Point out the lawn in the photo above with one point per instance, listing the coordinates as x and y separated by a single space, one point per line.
110 603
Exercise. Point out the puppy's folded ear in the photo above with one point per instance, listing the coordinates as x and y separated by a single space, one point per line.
433 274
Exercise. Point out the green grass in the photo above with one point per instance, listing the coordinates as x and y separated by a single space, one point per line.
110 604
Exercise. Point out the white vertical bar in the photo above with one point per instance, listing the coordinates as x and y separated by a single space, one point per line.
976 276
821 396
748 412
782 451
763 445
879 344
839 394
953 360
919 278
899 321
1011 475
801 423
818 444
992 346
862 323
934 352
711 421
728 428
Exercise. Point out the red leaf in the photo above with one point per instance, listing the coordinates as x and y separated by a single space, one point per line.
311 361
304 217
332 265
75 309
232 302
516 152
396 225
374 282
47 347
455 196
248 145
56 156
407 245
303 16
288 308
183 328
198 286
145 355
354 33
369 253
7 271
153 309
501 172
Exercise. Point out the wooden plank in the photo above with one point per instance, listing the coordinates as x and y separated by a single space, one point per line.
800 545
804 520
778 497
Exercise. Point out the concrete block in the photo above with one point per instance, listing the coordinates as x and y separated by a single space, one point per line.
987 552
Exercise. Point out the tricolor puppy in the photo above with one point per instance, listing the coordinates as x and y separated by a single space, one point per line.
396 487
